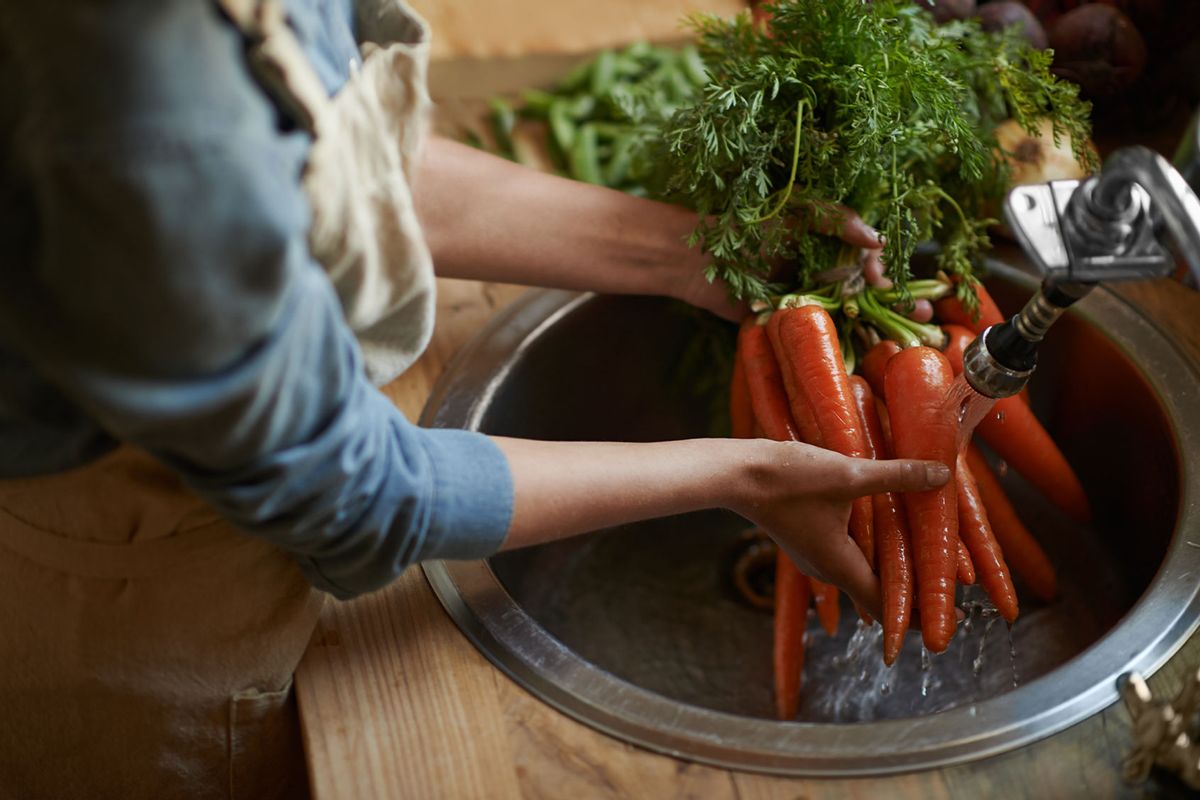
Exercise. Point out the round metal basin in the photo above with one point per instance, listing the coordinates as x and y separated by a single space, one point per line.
636 630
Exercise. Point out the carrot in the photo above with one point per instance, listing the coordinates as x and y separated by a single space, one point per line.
825 598
975 531
791 619
1012 430
875 362
915 382
741 411
950 309
965 569
769 408
1020 549
764 383
1017 437
806 343
893 553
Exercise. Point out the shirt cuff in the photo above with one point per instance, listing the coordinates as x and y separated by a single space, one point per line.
472 502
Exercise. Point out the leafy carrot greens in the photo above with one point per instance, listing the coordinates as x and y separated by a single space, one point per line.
871 105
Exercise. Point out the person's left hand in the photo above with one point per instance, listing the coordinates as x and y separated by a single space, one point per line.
713 296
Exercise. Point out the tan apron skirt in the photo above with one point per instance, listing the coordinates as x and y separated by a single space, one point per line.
147 646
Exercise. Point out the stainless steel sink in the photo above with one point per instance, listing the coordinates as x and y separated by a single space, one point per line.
637 632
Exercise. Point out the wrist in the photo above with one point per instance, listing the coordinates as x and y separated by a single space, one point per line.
748 476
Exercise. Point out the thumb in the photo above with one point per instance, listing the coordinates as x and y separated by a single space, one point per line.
897 475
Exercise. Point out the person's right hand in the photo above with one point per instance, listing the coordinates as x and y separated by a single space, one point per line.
801 496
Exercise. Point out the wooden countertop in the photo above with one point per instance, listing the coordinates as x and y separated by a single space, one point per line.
395 702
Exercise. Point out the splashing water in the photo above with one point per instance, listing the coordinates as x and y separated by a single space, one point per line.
1012 657
968 406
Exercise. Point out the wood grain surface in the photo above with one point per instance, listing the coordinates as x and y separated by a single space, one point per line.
396 703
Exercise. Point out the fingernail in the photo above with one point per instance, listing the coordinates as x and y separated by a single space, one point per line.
937 473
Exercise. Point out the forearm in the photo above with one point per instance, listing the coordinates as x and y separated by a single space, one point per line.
565 488
486 218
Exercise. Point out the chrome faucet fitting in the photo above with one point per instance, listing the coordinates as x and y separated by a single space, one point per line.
1129 222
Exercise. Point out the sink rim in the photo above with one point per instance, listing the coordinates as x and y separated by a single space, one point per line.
1157 625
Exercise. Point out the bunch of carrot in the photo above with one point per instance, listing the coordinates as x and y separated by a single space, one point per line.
791 383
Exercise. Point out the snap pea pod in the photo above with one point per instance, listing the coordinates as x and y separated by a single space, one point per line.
597 96
585 163
502 119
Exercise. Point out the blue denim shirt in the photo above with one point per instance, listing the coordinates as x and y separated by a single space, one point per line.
156 289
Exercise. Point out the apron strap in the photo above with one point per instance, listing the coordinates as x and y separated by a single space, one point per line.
278 62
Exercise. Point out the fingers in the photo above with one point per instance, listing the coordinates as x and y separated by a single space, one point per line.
852 230
896 475
837 219
873 270
922 311
842 564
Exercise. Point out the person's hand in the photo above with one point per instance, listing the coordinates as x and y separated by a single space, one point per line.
801 497
693 287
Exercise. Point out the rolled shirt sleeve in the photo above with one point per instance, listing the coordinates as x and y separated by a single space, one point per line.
169 293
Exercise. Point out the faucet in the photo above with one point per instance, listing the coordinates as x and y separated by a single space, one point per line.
1131 221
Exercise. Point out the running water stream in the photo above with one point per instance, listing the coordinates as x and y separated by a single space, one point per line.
969 407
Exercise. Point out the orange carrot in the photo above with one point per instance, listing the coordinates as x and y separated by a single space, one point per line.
826 600
768 404
1017 437
965 566
893 553
875 362
764 383
791 619
741 411
1012 430
806 344
916 382
975 531
949 309
1021 551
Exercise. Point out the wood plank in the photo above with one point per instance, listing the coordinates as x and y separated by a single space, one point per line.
395 703
499 29
557 757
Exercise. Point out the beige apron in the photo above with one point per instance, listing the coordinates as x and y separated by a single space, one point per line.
146 646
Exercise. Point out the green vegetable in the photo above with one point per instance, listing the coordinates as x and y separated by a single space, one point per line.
607 92
562 129
585 163
502 120
871 105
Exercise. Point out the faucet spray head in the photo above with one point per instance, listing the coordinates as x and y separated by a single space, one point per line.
1000 361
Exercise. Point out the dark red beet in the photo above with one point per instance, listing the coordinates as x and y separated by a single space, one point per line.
1097 47
1002 14
946 10
1045 10
1148 15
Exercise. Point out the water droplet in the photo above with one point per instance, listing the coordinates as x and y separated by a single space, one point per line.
885 688
999 416
1001 468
